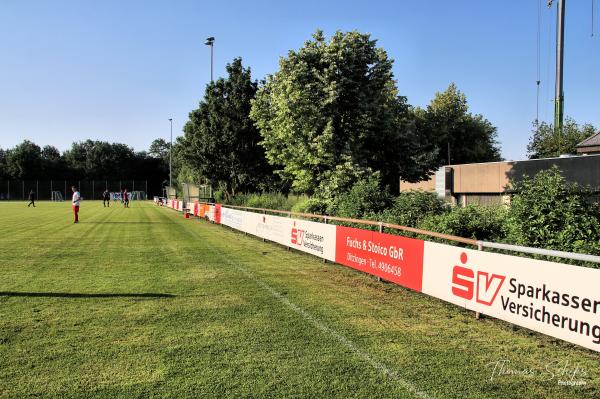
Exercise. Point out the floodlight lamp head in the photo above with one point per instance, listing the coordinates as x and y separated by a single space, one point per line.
209 41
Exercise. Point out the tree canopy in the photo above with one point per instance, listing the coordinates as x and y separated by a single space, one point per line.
88 159
221 143
545 143
332 104
457 135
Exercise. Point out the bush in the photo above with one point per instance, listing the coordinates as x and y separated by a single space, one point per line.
474 221
410 208
311 205
266 200
548 212
365 199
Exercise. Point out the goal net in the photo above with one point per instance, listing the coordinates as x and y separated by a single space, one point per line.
57 196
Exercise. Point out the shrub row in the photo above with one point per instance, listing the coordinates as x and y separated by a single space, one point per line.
546 212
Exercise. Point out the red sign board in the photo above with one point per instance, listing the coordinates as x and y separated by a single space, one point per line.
393 258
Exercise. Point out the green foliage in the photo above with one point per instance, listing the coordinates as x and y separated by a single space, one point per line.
277 201
89 159
365 199
410 208
449 127
221 142
335 103
473 221
548 212
3 168
545 143
24 161
313 205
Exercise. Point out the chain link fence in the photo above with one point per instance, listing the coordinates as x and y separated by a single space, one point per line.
18 190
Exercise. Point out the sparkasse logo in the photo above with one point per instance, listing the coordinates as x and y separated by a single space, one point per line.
298 236
466 283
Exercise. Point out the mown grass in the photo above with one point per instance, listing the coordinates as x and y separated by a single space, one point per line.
141 303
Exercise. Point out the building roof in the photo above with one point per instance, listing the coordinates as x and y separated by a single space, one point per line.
593 140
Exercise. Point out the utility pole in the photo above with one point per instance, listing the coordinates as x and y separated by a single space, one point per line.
559 95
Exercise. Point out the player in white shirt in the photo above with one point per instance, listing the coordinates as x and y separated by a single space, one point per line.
75 202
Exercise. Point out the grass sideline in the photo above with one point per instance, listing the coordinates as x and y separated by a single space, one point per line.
142 303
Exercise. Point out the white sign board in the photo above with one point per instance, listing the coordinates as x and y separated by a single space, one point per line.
314 238
552 298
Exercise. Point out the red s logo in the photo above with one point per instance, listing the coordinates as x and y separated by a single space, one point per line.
463 283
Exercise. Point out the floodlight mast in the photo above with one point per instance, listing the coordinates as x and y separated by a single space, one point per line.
210 41
171 155
559 95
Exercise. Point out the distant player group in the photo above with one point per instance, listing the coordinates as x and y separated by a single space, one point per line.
76 200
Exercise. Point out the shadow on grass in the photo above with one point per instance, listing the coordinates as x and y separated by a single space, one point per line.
133 222
80 295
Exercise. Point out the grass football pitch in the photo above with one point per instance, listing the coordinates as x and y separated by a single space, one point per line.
142 303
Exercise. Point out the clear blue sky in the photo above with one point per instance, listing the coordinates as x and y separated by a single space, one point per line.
117 70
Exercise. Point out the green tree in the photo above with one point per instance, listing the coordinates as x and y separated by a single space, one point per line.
102 160
221 143
24 161
53 164
459 136
159 148
545 143
3 168
335 103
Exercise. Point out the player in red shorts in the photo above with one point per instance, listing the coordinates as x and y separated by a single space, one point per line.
75 203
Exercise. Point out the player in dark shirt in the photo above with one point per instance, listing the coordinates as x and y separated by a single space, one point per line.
106 198
31 199
126 198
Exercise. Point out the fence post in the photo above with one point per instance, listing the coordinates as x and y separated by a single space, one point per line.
8 188
51 190
146 189
65 190
325 221
381 231
479 248
290 215
37 190
93 189
23 181
264 213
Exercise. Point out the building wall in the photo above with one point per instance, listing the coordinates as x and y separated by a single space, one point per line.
481 177
425 185
486 183
591 150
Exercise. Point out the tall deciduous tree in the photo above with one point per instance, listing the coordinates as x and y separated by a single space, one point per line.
545 143
332 104
221 142
460 137
3 168
24 161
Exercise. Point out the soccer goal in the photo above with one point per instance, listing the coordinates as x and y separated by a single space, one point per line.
57 196
137 195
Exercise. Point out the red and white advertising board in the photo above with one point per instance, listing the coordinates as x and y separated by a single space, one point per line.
314 238
559 300
391 257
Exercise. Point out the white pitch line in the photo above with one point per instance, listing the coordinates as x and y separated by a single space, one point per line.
406 384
